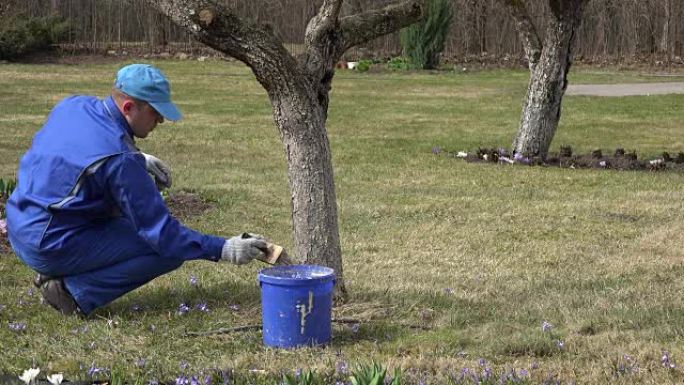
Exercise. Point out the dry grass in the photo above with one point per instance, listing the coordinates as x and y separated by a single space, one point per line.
480 254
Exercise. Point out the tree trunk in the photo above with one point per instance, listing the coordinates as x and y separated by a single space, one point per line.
665 39
548 75
301 121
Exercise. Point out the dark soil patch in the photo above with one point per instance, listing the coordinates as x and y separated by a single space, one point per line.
186 204
618 160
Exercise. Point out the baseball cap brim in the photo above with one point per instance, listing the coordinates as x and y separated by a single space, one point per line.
168 110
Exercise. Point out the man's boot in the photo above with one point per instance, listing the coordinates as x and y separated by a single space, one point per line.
40 279
56 295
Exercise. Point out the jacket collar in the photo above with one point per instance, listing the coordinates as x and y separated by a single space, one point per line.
117 116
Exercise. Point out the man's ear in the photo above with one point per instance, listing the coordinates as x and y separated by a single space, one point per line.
126 106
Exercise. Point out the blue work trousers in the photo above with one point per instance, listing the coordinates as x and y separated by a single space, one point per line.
99 263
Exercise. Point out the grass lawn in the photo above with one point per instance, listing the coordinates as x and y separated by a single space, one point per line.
480 254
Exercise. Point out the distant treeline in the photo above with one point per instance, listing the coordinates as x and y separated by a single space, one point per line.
621 30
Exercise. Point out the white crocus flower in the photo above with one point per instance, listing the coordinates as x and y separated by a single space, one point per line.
29 375
55 379
461 154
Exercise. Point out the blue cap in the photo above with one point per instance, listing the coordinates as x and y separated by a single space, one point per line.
148 83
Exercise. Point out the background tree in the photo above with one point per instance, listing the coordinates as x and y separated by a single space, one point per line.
424 42
298 89
549 63
482 30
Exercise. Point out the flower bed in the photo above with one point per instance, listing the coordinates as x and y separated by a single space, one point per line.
618 160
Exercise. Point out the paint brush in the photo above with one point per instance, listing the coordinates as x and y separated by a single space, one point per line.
275 255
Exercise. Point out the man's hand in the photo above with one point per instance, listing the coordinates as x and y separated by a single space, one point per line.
243 248
159 170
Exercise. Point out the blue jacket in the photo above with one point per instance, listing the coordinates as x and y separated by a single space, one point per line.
83 166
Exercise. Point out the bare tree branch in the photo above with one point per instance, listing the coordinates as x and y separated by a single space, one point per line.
528 33
366 26
325 20
321 50
220 28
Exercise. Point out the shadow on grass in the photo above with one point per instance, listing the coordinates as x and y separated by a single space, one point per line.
163 300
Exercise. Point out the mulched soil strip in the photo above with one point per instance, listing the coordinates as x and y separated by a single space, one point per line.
619 160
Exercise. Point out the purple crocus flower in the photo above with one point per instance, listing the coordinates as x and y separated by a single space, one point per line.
448 290
546 326
183 365
193 280
487 373
234 307
202 307
355 328
341 367
30 292
518 157
524 373
482 362
182 380
3 226
17 326
183 308
194 381
560 344
436 150
140 362
94 369
666 361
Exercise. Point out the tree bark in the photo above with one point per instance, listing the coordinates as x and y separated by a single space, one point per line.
549 64
298 89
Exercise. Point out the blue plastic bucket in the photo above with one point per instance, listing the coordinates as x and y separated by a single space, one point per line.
296 305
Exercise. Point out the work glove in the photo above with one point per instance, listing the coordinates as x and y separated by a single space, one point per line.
243 248
159 170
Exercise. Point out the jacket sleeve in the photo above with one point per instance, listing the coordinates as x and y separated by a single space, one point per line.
139 201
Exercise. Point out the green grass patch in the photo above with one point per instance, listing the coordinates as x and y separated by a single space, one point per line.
477 255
